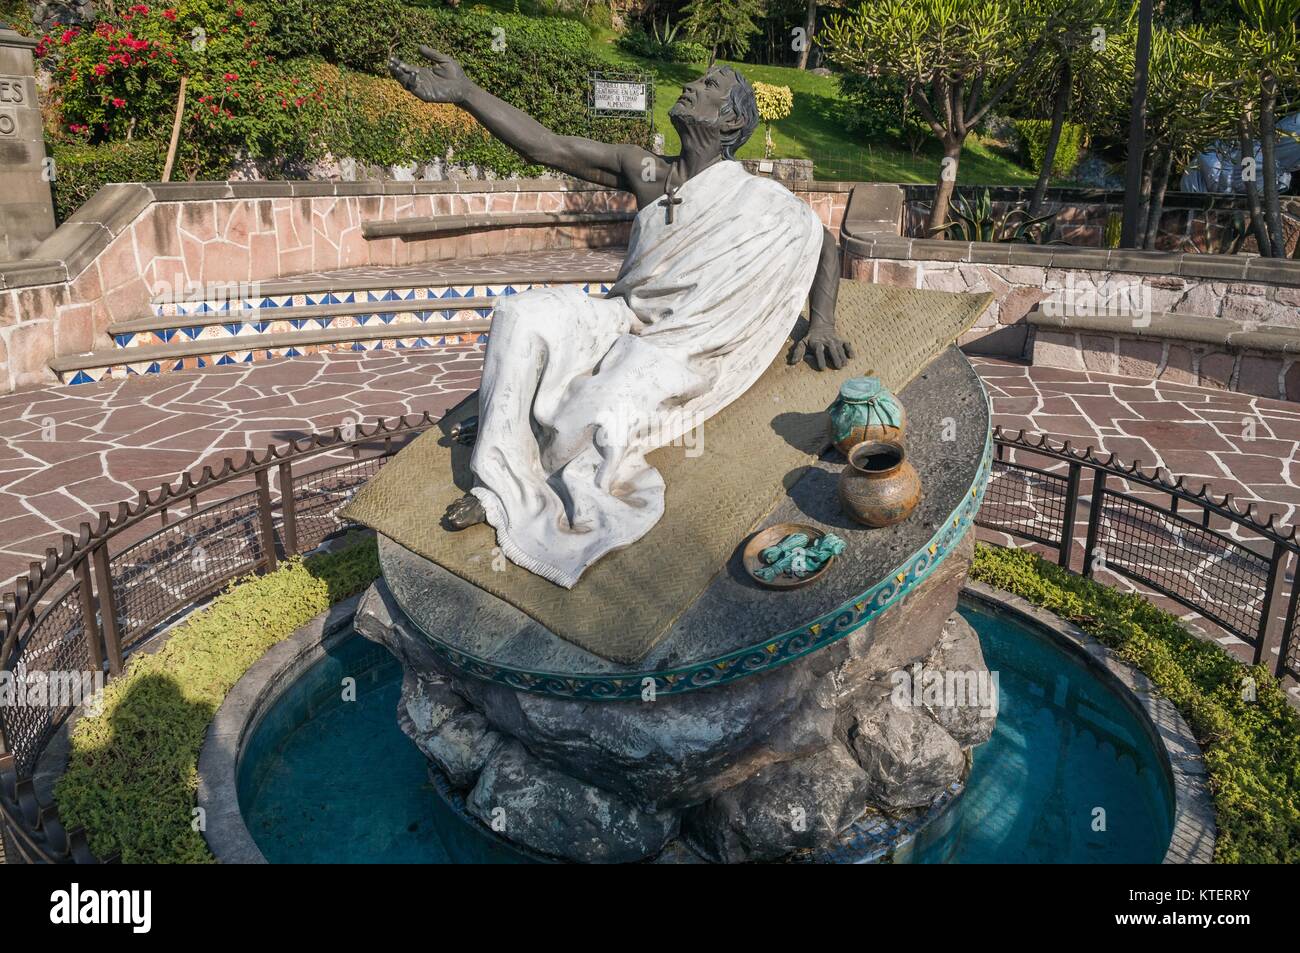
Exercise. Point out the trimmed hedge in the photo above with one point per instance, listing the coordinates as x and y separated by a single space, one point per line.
1033 141
541 65
1252 748
373 119
80 170
132 776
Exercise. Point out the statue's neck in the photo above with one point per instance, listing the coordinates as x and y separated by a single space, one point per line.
701 148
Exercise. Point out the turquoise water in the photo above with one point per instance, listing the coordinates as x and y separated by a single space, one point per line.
1065 746
324 780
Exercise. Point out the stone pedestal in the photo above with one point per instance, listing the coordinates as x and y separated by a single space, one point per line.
763 725
755 769
26 206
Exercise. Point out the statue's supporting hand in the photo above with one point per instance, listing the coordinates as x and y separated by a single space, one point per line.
821 343
824 347
443 82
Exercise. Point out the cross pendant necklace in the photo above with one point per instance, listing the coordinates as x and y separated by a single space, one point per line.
670 200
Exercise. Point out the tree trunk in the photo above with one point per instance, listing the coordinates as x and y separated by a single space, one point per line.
1064 81
809 24
1137 132
1144 193
1159 185
1268 146
945 186
176 131
1252 191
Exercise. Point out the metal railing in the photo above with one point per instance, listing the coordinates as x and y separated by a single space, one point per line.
1204 552
113 585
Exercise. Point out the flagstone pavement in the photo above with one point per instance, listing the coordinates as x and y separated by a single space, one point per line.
68 452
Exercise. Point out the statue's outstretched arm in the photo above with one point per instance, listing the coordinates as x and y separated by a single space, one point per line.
443 81
821 343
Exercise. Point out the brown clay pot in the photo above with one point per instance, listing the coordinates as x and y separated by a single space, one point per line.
879 487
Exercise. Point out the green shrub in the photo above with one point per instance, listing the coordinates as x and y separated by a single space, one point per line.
120 80
688 51
1033 135
877 109
133 772
1252 748
544 68
80 169
666 44
17 15
257 86
373 119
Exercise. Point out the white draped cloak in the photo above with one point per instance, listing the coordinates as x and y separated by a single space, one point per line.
576 390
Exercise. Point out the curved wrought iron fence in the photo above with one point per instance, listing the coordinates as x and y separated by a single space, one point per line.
117 582
103 591
1204 552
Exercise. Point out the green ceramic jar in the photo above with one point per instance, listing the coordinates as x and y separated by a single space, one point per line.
866 410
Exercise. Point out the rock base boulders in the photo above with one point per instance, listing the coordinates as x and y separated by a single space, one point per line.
750 770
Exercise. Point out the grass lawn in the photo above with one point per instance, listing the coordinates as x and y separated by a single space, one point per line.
813 130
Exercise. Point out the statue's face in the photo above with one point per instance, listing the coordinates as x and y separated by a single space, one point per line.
702 100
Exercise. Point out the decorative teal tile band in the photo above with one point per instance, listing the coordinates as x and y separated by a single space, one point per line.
762 657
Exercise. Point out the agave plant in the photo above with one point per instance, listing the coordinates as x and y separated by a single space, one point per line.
975 222
669 35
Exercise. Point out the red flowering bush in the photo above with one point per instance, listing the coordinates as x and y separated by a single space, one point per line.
120 80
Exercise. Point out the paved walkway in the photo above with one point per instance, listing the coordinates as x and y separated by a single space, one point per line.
1243 445
68 452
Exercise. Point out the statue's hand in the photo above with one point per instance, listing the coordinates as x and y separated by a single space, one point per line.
443 82
824 347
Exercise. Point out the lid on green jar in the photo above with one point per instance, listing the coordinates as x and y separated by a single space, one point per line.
858 389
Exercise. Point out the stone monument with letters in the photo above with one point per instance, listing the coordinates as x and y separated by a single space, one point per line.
26 208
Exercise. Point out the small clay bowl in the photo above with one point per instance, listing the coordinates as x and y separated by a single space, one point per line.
752 557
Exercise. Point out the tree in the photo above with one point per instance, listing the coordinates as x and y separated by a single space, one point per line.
774 102
1073 64
1250 75
810 24
1176 120
724 24
1137 128
957 58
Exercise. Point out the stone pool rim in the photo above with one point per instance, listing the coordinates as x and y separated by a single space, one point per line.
255 693
227 835
1194 828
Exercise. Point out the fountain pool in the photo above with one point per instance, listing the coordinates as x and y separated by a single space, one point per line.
1072 773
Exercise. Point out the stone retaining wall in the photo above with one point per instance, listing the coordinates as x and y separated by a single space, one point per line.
1235 294
133 242
1183 349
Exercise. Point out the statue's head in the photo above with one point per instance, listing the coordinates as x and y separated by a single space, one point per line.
721 98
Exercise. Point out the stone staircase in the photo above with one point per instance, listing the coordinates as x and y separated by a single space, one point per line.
433 305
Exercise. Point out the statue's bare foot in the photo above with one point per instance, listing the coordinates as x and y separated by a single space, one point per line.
465 432
465 512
